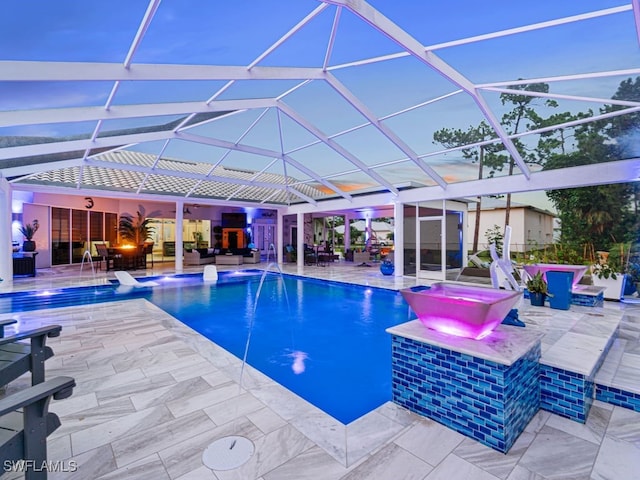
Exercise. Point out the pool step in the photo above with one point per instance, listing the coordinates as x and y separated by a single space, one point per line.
62 297
618 380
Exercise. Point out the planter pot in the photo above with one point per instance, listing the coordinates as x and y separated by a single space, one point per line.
537 299
560 287
387 268
613 288
629 287
29 246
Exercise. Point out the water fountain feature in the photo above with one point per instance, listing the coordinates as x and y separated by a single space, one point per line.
461 310
87 255
466 370
486 389
233 451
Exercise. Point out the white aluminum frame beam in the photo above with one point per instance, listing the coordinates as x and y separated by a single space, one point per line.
29 71
152 197
636 16
336 147
386 131
385 26
571 177
83 114
563 78
262 152
493 35
92 162
558 96
26 170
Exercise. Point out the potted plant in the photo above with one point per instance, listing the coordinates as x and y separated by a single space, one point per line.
608 272
28 230
135 230
537 287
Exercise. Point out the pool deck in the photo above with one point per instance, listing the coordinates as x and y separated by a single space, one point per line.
152 394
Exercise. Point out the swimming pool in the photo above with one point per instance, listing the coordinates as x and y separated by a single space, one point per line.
328 345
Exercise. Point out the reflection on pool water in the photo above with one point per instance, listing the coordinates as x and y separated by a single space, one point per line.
328 345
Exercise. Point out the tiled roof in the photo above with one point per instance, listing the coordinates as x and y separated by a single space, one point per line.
163 177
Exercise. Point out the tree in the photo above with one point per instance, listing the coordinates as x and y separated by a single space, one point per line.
604 214
452 138
522 115
136 230
494 156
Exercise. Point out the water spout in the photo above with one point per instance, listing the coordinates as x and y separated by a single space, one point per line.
232 451
87 255
255 303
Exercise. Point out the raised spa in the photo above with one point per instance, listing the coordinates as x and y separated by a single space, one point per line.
461 310
578 270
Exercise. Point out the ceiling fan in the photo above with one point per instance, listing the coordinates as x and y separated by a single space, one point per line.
186 210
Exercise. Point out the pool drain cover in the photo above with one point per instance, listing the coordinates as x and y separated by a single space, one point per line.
228 453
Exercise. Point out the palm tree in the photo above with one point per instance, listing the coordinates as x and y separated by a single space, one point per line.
135 230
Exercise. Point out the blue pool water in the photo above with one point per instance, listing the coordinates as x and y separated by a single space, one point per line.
328 344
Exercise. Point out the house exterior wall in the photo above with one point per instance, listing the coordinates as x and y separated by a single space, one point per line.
539 227
37 205
528 226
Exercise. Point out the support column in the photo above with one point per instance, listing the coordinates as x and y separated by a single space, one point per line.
398 238
280 237
443 241
179 245
367 231
347 231
300 239
6 254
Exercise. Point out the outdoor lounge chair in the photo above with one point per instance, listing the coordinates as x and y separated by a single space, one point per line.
127 280
17 358
23 434
210 273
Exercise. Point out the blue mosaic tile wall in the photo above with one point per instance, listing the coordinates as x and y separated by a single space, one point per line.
616 396
570 394
580 299
484 400
565 393
588 300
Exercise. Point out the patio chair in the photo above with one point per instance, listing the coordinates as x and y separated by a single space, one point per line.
148 250
473 258
23 434
103 252
18 358
4 323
